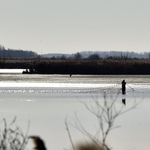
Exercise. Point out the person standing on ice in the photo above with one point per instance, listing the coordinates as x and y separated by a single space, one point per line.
123 87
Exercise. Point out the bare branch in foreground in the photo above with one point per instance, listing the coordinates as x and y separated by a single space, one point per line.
12 137
106 114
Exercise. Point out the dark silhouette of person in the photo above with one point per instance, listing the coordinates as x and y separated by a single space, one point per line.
123 87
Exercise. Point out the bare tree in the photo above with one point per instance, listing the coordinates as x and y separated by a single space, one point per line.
77 56
94 57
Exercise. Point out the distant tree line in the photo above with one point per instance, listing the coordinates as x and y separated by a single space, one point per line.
98 55
119 63
11 53
89 55
78 66
116 54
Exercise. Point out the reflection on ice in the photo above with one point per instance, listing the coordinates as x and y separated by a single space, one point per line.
124 101
73 90
14 84
11 71
28 100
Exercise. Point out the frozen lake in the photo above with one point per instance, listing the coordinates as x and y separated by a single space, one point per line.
46 100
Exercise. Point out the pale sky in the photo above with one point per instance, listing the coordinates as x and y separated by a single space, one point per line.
70 26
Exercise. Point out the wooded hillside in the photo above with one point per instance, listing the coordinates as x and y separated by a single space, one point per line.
11 53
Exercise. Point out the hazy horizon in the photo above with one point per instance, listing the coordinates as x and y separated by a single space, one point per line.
70 53
58 26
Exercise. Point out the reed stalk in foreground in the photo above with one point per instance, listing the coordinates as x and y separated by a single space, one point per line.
12 137
106 115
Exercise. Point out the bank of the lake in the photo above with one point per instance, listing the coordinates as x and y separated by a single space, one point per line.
82 67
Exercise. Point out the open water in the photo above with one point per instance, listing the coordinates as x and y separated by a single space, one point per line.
46 100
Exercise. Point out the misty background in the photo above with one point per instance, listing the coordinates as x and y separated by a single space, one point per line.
64 26
14 53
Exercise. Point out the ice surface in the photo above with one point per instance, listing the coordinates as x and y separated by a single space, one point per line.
46 104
